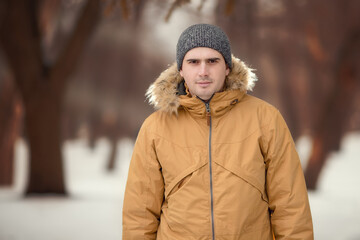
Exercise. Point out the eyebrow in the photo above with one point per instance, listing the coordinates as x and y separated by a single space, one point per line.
214 59
207 59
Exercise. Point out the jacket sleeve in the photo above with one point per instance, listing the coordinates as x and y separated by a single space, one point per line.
144 191
285 185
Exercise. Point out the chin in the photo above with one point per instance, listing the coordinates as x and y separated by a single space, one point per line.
207 97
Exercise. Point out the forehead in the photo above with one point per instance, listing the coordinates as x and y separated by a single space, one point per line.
202 53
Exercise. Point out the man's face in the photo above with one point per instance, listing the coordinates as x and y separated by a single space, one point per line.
204 71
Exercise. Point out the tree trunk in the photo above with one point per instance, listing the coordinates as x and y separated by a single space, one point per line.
315 163
10 121
42 122
42 87
337 112
112 157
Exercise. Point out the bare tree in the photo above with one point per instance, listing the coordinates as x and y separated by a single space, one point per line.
42 86
10 126
306 53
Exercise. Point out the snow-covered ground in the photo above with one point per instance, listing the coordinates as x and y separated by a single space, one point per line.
93 210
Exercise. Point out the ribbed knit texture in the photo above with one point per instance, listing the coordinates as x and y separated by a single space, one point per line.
203 35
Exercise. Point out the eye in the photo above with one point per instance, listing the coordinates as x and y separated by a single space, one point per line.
213 60
192 61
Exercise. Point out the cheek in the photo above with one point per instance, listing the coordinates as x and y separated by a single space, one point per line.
188 83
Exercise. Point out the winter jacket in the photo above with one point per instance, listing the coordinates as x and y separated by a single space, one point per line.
227 169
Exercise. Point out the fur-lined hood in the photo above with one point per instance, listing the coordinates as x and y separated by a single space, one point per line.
163 93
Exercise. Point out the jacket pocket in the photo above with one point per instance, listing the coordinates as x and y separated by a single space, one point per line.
187 203
256 182
256 179
245 161
241 200
180 180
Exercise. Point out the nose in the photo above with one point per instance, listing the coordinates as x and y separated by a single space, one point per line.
203 70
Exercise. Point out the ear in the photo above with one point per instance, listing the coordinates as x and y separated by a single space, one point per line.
227 70
181 73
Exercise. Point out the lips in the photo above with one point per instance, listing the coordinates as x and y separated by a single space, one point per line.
203 83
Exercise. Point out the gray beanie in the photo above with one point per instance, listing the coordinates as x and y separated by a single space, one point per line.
203 35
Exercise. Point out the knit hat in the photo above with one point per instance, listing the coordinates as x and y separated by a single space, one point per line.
203 35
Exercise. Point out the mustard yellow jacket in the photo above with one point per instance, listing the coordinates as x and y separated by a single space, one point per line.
223 170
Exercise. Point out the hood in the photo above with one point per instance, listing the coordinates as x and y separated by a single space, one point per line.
163 94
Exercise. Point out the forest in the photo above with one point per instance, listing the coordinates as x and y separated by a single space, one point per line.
80 69
73 77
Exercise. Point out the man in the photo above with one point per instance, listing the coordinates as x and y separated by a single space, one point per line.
213 162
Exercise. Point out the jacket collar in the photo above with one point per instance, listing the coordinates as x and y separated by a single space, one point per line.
164 95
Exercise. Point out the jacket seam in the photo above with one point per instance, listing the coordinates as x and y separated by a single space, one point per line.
164 138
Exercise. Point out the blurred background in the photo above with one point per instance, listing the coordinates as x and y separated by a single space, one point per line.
73 74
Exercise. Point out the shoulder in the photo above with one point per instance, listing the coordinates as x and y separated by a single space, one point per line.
255 102
268 116
257 108
150 123
157 121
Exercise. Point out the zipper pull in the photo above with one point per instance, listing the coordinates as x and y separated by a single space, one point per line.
208 113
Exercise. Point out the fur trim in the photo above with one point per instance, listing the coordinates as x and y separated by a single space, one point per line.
162 94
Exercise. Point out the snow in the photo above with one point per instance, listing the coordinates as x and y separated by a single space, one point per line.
335 205
93 209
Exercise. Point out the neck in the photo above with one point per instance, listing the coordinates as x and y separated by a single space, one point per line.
206 101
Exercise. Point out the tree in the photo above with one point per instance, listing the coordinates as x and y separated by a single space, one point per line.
41 78
10 124
306 54
42 86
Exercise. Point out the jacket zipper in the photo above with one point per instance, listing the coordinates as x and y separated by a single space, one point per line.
208 117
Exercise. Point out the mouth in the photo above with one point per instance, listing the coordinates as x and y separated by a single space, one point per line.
203 84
